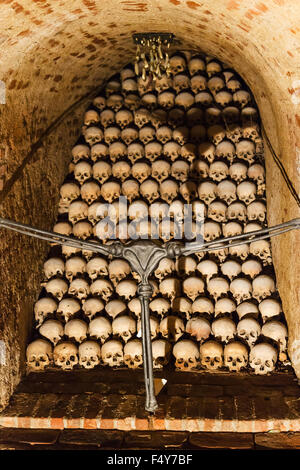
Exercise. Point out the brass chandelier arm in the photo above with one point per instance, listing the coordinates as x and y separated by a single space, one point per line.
250 237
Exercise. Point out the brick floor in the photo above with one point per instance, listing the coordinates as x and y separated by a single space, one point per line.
189 403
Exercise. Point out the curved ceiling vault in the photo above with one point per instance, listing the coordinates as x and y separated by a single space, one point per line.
53 53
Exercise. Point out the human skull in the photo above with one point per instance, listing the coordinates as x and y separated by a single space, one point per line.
216 133
124 118
181 82
238 172
198 83
251 131
135 152
100 328
218 171
112 135
168 190
257 173
120 170
193 286
54 267
256 210
237 211
188 152
69 192
226 190
212 230
110 191
79 288
247 309
211 355
223 329
199 328
80 152
115 102
231 269
138 210
277 331
204 98
263 286
166 99
165 267
192 117
217 211
99 151
44 307
224 306
141 171
246 192
251 268
63 228
76 329
133 353
235 356
225 149
232 229
75 266
234 132
153 150
97 267
66 355
199 169
89 354
149 189
52 330
147 134
57 287
163 83
269 309
82 230
102 288
126 289
112 353
263 358
129 135
249 330
262 249
124 326
92 307
207 192
129 85
185 100
170 287
180 170
196 65
177 64
82 171
39 354
206 150
161 351
78 210
68 308
93 135
203 305
241 289
172 328
160 306
130 189
186 265
187 355
208 269
115 307
90 191
241 98
171 150
246 150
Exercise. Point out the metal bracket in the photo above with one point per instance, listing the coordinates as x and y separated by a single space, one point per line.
144 256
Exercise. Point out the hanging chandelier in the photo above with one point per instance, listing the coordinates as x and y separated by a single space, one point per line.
151 60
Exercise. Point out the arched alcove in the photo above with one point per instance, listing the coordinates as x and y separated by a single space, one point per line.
52 56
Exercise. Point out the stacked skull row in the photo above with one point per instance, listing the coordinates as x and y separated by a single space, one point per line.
191 138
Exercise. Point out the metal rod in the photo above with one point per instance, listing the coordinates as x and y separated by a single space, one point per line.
145 291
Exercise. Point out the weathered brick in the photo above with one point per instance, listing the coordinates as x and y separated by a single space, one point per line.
225 440
278 440
156 440
97 438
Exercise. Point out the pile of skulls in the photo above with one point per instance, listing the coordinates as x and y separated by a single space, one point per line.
191 138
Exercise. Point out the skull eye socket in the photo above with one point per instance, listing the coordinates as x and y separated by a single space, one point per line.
108 356
72 358
180 361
